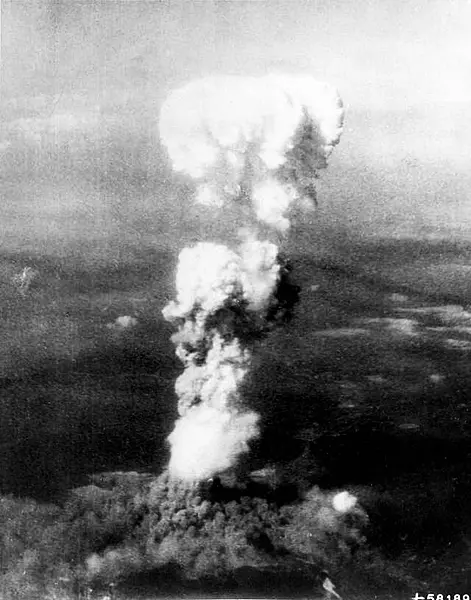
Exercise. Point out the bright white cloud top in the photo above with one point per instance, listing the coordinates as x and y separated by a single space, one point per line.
256 139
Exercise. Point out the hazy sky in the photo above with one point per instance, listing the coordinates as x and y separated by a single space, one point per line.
90 75
380 53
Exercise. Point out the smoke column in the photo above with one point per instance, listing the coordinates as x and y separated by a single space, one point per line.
257 144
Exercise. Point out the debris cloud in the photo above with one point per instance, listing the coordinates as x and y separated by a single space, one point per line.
257 143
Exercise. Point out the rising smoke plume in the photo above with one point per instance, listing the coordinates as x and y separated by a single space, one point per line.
257 143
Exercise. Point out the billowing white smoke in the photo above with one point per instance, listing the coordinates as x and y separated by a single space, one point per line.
213 440
213 282
209 273
259 142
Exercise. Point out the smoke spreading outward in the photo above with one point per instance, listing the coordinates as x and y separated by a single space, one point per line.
257 144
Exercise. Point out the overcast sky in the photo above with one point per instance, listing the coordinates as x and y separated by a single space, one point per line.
91 74
380 53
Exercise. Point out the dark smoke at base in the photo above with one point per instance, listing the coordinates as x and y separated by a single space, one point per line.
124 524
206 536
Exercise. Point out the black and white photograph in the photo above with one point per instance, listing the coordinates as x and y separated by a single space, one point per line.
235 299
